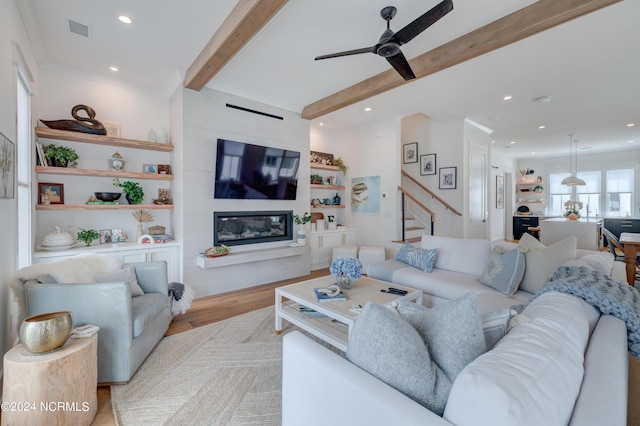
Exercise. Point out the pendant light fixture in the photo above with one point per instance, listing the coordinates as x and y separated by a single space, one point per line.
572 180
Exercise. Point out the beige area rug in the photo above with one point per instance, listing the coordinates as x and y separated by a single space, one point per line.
227 373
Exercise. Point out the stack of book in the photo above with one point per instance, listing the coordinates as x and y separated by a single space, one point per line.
161 238
324 297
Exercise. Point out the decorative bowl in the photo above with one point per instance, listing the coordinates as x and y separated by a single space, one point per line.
217 251
46 332
107 196
58 238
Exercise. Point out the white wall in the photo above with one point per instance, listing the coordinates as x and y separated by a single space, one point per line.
445 140
12 34
206 118
500 220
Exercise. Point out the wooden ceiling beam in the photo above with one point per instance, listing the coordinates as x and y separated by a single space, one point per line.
244 21
528 21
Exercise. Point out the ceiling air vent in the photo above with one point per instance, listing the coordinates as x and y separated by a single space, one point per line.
78 28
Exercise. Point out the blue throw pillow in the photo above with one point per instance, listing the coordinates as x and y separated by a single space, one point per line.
417 257
504 270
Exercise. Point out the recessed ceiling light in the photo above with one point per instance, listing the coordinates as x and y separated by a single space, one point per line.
512 142
630 141
631 124
114 68
320 124
124 19
507 98
533 153
542 126
367 109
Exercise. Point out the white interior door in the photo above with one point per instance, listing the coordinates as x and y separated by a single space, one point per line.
477 192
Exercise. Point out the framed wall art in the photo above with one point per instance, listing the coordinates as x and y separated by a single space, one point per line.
448 177
410 153
499 192
428 164
7 167
50 193
149 168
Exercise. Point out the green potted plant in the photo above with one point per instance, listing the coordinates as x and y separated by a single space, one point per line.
88 235
61 156
339 162
316 179
132 190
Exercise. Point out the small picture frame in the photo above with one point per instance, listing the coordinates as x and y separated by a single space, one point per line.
499 192
448 177
113 128
117 236
428 164
105 236
50 193
164 169
321 158
410 153
149 168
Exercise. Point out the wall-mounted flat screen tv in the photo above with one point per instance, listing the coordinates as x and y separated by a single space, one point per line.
247 171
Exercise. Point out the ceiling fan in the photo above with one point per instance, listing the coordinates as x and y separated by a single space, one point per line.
388 45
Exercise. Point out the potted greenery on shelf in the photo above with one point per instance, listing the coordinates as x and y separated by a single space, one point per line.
61 156
132 191
316 179
88 235
339 162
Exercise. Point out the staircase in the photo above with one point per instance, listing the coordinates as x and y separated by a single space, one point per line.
413 231
418 219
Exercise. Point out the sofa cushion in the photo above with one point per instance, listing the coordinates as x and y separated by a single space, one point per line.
541 262
127 275
389 348
468 256
417 257
533 375
452 332
144 310
504 271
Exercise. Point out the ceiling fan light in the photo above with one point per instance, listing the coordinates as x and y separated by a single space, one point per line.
387 50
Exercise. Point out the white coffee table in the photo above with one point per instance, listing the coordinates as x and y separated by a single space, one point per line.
335 326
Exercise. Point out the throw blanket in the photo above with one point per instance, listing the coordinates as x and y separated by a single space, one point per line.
611 297
181 297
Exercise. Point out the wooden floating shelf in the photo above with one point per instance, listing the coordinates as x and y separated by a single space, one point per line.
319 186
101 173
104 207
46 133
324 167
328 207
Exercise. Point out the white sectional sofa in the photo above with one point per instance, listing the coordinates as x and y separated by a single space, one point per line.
566 364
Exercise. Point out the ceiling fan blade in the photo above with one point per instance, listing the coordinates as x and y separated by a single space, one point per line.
399 62
423 22
371 49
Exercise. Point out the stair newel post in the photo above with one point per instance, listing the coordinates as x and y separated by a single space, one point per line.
403 214
432 225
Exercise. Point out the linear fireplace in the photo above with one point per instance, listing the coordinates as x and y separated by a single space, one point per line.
236 228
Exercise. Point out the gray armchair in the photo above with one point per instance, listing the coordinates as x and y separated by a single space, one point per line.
129 327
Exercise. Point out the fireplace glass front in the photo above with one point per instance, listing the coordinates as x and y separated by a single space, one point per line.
236 228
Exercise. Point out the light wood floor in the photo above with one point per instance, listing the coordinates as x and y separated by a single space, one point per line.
211 309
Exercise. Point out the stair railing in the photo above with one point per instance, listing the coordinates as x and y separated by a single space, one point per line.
405 194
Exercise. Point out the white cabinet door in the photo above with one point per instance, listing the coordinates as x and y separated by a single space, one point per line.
133 256
322 244
169 255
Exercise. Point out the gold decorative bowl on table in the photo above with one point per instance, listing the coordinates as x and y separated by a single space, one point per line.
46 332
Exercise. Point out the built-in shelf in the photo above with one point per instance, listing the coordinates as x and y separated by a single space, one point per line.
320 186
529 192
324 167
101 173
531 202
46 133
328 207
104 206
236 258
